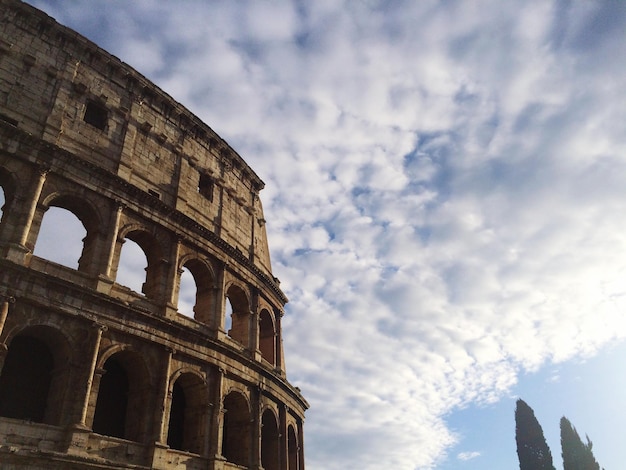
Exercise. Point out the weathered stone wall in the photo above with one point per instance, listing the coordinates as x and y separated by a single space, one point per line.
54 80
118 378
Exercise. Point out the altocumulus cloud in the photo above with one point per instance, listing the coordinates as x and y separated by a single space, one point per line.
444 190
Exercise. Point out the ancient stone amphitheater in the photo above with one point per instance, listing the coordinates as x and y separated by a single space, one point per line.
93 373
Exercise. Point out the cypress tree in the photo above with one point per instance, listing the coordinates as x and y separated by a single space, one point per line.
532 450
576 454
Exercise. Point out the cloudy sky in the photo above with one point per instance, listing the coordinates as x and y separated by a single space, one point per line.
445 196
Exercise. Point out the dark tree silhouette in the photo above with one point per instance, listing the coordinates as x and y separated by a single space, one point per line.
576 454
532 451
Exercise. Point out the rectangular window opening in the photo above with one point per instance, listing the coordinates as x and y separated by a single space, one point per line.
205 186
96 114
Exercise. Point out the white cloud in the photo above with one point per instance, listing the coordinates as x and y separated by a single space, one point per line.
444 184
464 456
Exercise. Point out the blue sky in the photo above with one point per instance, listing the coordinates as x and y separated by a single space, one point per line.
444 196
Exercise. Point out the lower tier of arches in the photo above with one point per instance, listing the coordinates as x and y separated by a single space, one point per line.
75 390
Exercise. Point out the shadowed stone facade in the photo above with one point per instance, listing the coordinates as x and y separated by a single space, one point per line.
92 373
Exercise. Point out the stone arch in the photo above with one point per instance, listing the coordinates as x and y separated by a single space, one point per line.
204 278
237 429
87 215
189 401
78 205
153 251
270 441
121 408
240 302
292 448
34 377
267 336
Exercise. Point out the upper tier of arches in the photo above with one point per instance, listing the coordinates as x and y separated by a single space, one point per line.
55 222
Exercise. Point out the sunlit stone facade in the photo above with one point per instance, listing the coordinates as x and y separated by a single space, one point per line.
94 374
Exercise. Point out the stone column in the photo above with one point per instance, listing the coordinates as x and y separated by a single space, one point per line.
280 357
216 432
32 206
220 301
283 448
253 334
165 397
300 446
92 369
4 312
253 340
206 437
105 280
173 281
78 433
17 249
217 307
5 300
160 423
112 239
257 422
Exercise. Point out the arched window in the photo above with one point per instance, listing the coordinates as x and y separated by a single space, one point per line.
176 428
25 380
267 336
61 237
188 414
236 430
240 329
292 449
110 417
132 266
197 291
269 441
123 398
68 233
34 377
141 264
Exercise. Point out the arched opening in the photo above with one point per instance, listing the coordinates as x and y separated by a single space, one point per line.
197 290
176 428
61 237
292 449
187 293
269 442
133 266
123 398
240 317
267 337
34 377
236 430
112 404
141 264
26 378
188 414
68 233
